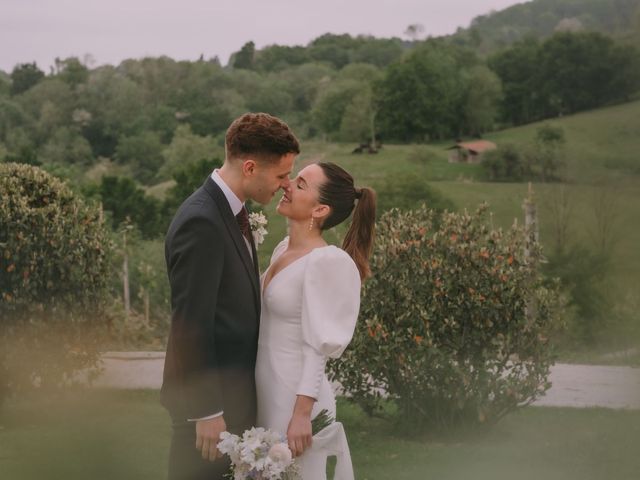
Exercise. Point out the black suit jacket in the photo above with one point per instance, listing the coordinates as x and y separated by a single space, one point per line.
215 300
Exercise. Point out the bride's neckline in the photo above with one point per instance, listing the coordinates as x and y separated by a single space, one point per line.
273 277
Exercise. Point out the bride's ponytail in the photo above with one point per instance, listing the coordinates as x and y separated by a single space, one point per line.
359 239
339 193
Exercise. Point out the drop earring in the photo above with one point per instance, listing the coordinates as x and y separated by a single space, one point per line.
311 224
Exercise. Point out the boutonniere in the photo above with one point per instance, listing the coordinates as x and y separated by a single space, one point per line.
258 223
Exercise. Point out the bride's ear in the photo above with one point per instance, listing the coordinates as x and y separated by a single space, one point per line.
321 212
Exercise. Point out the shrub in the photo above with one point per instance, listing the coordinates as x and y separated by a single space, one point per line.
54 272
407 191
454 324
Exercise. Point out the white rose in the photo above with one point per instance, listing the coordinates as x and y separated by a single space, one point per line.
280 453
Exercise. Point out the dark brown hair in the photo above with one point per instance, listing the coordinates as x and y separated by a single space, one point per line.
341 195
261 136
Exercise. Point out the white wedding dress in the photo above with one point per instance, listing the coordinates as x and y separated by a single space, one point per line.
309 313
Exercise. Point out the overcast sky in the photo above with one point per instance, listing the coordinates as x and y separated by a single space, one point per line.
112 30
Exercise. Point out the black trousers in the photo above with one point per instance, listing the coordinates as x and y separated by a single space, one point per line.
186 462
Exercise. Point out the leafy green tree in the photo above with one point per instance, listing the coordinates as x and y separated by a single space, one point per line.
518 70
270 96
21 148
580 71
188 179
548 149
115 103
407 192
12 116
332 102
380 52
66 147
333 49
72 71
507 163
421 97
126 201
143 153
187 148
358 120
482 103
24 76
55 272
245 57
304 82
583 275
279 57
455 323
5 84
49 104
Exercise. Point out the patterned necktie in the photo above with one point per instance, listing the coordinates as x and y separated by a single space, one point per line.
243 222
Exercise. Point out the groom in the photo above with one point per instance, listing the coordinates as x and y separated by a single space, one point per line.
208 385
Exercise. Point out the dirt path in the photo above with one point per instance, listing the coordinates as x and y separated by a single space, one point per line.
572 385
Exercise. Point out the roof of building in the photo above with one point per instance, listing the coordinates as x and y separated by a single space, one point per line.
477 146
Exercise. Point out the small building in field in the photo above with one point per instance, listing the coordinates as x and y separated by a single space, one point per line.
470 152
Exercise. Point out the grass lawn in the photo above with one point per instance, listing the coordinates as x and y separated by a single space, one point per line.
105 434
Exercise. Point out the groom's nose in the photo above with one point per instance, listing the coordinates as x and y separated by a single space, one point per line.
286 184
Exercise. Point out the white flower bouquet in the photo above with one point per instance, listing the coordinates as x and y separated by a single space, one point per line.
262 454
259 455
258 224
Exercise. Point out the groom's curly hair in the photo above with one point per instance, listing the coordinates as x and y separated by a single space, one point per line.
260 136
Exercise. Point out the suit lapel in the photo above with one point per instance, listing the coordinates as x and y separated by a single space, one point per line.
238 239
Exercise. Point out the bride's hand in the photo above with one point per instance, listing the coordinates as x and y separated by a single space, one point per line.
299 430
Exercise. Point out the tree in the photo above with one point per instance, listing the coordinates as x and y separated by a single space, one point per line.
421 97
517 68
548 149
482 103
188 179
304 82
278 57
334 49
141 152
506 163
72 71
21 148
444 327
115 103
414 31
245 57
358 118
24 76
126 201
55 272
66 147
187 148
5 84
332 102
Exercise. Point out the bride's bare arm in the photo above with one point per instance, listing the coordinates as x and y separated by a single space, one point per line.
299 430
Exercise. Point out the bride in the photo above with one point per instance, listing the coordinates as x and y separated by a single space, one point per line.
310 303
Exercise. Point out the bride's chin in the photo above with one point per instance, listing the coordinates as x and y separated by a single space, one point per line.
282 209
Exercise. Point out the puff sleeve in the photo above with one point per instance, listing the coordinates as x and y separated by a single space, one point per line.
330 306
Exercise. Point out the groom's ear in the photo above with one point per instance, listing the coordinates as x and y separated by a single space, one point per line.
248 167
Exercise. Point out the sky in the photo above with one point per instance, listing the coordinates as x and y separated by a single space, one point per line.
113 30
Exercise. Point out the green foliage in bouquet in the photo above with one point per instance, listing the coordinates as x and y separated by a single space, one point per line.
54 273
455 323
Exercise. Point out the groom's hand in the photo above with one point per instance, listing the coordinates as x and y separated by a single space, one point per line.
208 435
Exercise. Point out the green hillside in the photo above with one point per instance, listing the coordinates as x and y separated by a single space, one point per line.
541 18
603 168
